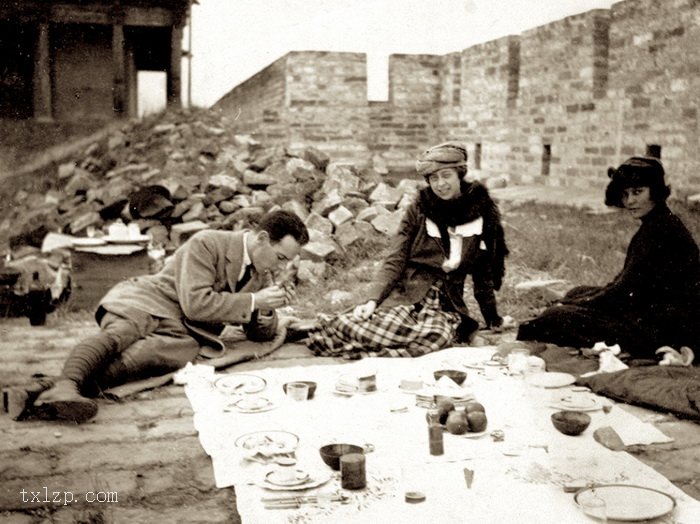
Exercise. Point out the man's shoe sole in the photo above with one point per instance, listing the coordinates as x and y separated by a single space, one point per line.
77 411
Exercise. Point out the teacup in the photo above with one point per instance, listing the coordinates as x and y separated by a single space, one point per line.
286 469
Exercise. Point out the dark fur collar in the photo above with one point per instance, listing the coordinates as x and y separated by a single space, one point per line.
465 208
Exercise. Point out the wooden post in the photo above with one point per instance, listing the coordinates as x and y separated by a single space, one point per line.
118 64
42 75
174 73
189 56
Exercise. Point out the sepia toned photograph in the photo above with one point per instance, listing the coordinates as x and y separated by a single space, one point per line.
349 261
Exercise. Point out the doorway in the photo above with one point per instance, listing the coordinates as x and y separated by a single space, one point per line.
151 88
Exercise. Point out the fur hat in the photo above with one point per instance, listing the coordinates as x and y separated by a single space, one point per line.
447 154
637 171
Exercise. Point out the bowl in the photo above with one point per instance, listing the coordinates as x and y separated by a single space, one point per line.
571 422
311 384
458 376
331 453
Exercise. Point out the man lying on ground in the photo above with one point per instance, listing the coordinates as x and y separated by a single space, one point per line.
151 325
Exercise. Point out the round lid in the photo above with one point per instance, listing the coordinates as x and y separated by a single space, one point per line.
414 497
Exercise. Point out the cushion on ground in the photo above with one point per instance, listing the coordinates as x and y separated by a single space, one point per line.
663 388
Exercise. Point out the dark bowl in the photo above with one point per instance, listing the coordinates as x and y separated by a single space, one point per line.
311 384
571 422
331 453
458 376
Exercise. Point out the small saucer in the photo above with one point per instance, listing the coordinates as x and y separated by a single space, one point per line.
350 392
318 479
513 450
251 405
482 365
235 383
272 477
474 434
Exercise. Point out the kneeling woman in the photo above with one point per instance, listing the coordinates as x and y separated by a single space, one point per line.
416 303
654 301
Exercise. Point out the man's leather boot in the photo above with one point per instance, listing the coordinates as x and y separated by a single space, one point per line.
64 402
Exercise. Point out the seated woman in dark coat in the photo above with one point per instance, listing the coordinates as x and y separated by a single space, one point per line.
416 303
654 301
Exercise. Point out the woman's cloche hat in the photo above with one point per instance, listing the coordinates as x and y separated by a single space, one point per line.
441 156
636 171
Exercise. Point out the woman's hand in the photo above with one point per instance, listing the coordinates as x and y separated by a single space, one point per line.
674 358
364 311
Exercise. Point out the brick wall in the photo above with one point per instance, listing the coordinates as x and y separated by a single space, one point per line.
655 79
258 104
407 123
555 128
555 105
479 93
327 103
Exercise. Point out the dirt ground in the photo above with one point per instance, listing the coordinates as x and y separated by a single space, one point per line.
140 460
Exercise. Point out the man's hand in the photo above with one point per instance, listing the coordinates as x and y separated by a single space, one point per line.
364 311
674 358
270 297
290 292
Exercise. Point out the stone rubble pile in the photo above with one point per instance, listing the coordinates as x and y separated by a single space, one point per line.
186 171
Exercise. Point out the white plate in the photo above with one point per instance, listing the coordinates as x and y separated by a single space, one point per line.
585 403
251 405
482 365
267 443
317 479
550 379
470 434
124 240
240 383
629 503
87 242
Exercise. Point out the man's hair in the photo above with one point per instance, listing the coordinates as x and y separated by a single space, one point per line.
279 224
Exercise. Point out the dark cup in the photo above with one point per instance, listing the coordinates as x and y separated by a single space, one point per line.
312 388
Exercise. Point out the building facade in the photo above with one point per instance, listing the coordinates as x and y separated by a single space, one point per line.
71 59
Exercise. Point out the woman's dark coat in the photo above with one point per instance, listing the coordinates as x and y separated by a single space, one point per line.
421 246
654 301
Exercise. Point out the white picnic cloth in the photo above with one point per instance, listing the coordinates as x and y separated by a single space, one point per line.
633 431
521 488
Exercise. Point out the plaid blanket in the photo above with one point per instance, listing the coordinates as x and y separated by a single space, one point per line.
399 331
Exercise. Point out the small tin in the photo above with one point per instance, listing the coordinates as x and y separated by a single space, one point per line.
414 497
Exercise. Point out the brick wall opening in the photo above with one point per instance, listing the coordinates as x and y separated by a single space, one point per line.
546 159
477 156
654 151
